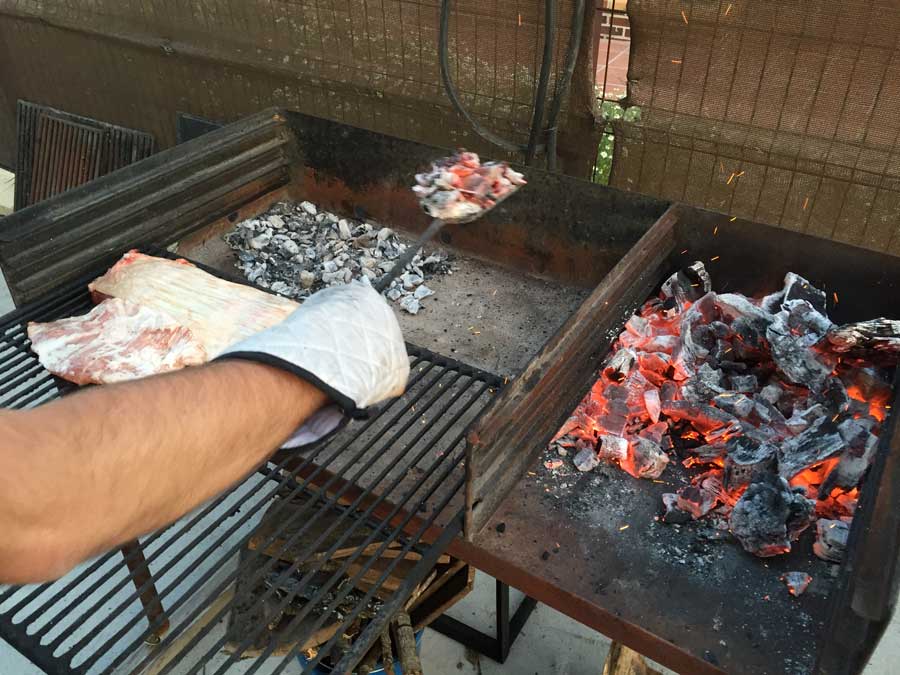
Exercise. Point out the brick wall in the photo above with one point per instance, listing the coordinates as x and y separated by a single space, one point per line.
612 10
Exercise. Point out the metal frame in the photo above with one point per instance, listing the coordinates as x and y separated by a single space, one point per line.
507 629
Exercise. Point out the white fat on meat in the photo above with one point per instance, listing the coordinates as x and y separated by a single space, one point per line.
116 341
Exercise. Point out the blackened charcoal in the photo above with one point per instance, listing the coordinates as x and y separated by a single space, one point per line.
772 303
831 539
698 275
801 420
821 441
706 383
746 460
770 515
586 460
807 321
703 417
798 288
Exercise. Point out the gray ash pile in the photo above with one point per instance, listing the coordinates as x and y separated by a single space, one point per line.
296 249
774 410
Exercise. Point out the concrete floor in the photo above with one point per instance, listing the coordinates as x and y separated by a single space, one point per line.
549 643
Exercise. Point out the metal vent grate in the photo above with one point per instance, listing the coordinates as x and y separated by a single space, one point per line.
58 151
394 479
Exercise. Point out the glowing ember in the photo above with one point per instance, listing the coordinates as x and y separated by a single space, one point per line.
766 399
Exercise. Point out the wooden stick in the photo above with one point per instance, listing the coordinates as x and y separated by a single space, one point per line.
623 661
406 645
387 653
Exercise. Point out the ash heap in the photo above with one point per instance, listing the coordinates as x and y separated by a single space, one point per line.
296 249
777 409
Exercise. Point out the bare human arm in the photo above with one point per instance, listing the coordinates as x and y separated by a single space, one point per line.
101 467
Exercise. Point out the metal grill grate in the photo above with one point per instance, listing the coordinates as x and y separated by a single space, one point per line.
395 478
58 151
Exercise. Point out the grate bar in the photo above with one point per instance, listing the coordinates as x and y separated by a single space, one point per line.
204 578
372 468
311 548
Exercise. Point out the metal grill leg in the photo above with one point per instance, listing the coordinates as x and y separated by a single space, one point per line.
143 582
495 648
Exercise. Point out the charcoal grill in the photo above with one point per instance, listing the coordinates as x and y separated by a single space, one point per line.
574 232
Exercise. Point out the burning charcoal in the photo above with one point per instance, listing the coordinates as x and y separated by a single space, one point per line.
645 459
654 432
769 415
769 515
734 307
743 383
703 417
586 460
461 186
747 459
796 582
706 383
696 501
798 288
772 302
821 441
735 404
612 449
672 514
668 393
696 339
707 453
831 539
880 336
620 365
836 394
653 404
853 464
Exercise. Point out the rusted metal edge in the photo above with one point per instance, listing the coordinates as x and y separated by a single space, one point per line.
524 417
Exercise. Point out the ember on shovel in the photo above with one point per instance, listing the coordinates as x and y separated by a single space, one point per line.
777 409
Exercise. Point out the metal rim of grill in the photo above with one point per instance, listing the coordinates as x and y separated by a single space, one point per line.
398 475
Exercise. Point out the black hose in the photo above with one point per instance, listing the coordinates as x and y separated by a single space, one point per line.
537 119
562 87
443 51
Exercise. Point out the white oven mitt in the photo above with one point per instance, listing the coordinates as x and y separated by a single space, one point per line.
346 341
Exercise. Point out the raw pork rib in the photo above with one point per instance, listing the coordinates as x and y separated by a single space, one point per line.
218 312
116 341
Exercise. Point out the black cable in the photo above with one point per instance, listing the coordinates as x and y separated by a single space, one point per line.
450 88
562 88
537 119
443 50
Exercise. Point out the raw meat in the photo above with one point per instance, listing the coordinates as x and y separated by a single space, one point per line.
116 341
217 312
